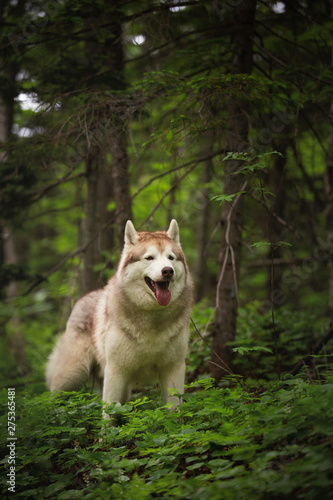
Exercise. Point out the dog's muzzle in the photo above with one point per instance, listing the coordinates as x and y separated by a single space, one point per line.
161 288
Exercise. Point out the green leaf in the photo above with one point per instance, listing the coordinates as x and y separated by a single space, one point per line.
225 197
268 243
247 350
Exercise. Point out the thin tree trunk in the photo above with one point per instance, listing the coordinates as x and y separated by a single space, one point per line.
231 219
118 140
203 224
95 230
90 258
328 191
120 182
328 186
104 183
17 342
276 180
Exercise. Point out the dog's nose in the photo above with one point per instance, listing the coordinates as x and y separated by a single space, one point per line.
167 272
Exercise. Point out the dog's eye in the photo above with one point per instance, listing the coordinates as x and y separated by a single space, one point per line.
150 257
171 258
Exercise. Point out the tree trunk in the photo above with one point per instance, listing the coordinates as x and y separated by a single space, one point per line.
118 140
97 237
328 191
104 183
231 220
328 186
201 272
17 342
120 181
275 181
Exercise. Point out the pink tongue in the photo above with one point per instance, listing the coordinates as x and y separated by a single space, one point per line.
163 294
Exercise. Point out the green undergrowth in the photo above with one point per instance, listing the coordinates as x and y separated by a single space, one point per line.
263 350
230 443
261 435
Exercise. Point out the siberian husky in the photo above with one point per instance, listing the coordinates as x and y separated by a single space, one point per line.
135 329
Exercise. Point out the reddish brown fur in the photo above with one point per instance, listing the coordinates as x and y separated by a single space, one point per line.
159 238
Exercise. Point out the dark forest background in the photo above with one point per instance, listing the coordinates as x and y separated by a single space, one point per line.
216 113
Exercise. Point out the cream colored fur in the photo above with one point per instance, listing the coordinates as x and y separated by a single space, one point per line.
121 334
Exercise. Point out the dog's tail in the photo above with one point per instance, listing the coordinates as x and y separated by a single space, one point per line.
70 364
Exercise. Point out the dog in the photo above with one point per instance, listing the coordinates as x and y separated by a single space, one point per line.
136 328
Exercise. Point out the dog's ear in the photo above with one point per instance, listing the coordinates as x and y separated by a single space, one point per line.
131 236
173 231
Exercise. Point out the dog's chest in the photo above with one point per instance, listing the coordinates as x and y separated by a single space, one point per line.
149 344
139 346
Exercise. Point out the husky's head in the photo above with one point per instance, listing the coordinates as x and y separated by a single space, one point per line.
152 270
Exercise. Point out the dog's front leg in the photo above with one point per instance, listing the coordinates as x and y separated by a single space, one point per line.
115 387
173 379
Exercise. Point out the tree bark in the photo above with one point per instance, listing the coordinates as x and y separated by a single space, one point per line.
275 181
201 272
118 140
16 339
328 186
328 191
106 183
8 250
231 219
120 181
99 195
